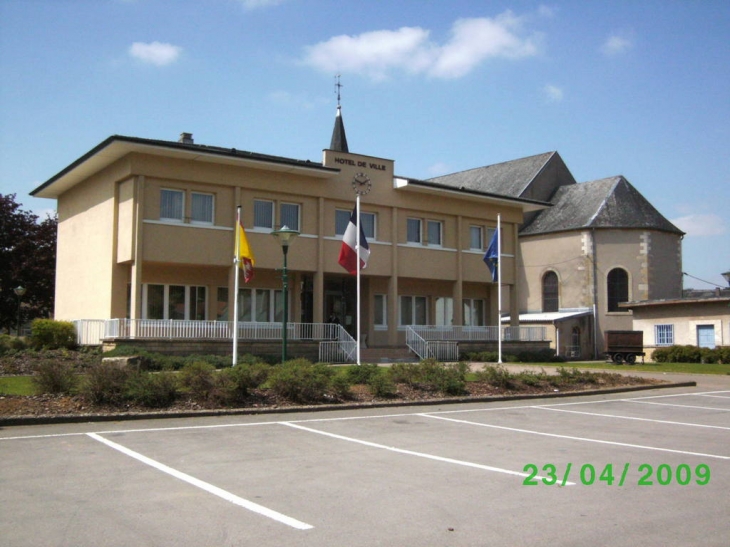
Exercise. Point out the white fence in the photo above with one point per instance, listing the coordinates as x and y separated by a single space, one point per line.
486 334
336 345
443 342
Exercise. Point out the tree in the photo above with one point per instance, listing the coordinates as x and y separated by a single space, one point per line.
27 258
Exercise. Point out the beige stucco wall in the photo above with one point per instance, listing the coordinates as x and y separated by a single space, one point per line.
87 251
685 318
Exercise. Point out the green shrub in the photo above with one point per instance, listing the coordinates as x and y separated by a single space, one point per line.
405 373
489 357
105 384
54 377
497 376
361 374
11 344
300 381
198 377
340 385
51 334
382 384
153 390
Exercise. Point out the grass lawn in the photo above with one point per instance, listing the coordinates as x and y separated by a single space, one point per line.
17 385
689 368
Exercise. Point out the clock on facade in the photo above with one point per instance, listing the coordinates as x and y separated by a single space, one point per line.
361 184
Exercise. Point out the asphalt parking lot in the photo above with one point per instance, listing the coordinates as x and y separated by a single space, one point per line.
642 468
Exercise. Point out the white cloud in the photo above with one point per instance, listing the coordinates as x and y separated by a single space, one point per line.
438 169
701 225
155 53
378 53
617 44
553 93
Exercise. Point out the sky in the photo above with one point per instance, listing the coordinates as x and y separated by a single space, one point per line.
639 89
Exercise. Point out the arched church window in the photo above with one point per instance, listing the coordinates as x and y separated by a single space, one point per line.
550 292
618 288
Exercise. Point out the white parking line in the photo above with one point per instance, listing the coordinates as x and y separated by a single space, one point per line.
583 439
677 406
418 454
246 504
630 418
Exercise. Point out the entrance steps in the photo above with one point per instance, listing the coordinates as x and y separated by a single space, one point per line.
387 355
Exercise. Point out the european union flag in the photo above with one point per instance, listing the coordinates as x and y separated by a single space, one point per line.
491 257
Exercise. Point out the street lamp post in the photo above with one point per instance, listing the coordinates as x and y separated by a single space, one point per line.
284 236
20 291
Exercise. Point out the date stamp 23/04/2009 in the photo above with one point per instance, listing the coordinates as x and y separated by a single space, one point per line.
588 474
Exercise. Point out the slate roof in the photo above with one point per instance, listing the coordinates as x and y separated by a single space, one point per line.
606 203
339 138
510 178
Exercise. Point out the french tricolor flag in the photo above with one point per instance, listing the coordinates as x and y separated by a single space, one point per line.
348 251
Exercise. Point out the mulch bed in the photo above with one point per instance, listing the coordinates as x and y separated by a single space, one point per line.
12 406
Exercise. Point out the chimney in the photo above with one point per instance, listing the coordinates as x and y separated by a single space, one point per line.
186 138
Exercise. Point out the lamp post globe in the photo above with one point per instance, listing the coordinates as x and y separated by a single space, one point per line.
19 291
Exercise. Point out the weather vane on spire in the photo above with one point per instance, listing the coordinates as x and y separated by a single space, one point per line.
338 85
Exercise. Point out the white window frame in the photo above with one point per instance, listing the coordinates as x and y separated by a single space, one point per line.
273 303
469 303
419 241
413 319
438 224
340 228
166 299
298 214
479 230
212 209
181 218
380 321
272 211
444 311
664 335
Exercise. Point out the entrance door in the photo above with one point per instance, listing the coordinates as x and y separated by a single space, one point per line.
340 302
706 336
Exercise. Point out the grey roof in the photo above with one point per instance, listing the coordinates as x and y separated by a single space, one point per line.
606 203
510 178
339 138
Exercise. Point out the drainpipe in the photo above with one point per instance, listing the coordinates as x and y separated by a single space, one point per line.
595 294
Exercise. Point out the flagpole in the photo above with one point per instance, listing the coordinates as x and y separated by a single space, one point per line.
357 248
499 288
236 267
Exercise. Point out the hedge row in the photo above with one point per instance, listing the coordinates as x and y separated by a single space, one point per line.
692 354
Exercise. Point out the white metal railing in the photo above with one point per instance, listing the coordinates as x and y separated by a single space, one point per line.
93 331
487 334
341 350
443 350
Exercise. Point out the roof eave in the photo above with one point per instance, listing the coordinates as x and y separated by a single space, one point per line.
117 147
527 205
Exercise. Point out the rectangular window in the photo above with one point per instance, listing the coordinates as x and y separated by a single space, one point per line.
263 214
489 235
263 306
444 311
381 310
413 310
172 205
176 302
155 302
473 312
664 335
222 304
289 216
435 229
367 223
260 305
202 206
413 230
196 310
475 238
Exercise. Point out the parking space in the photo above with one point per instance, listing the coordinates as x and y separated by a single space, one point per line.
650 467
